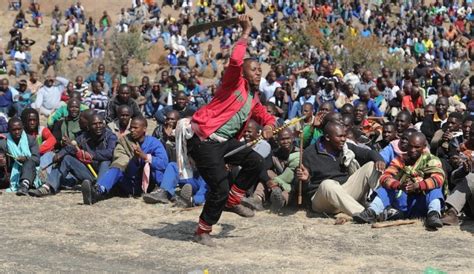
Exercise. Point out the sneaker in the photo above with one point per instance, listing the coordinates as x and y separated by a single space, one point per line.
90 193
185 198
277 200
204 239
433 220
253 202
450 217
241 210
24 187
368 216
157 196
390 214
40 192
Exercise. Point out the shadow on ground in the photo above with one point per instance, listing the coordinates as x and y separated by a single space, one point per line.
184 231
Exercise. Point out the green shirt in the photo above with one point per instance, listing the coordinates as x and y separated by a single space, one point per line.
231 127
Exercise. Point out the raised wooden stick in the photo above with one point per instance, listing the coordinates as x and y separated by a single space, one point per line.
300 182
393 223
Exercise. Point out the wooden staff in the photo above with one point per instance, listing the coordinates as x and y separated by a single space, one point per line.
394 223
300 182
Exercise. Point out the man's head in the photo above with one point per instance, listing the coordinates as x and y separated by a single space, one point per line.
307 110
33 77
389 132
252 72
101 69
96 125
367 76
30 119
360 112
96 87
402 121
138 128
334 136
181 100
73 108
442 105
326 107
123 94
124 69
348 121
124 114
454 122
286 139
171 118
251 132
79 81
430 109
347 109
331 117
466 126
403 145
364 96
416 146
84 119
4 84
22 85
15 128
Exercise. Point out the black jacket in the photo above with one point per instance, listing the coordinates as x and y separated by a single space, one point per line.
322 166
113 106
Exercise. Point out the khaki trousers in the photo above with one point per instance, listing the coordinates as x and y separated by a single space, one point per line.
332 197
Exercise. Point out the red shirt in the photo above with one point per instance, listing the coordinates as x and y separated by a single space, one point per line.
410 105
226 102
46 142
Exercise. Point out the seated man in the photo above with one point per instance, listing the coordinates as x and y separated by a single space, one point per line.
120 125
279 187
138 158
22 158
61 112
181 105
334 180
91 151
389 133
369 127
68 128
166 133
411 185
122 98
463 179
402 122
45 139
432 123
397 147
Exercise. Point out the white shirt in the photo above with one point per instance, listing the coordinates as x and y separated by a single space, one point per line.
268 89
20 55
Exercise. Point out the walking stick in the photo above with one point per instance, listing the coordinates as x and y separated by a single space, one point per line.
300 182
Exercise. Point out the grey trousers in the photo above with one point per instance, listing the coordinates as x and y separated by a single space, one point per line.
462 194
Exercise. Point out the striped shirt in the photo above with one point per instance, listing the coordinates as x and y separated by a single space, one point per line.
97 102
427 171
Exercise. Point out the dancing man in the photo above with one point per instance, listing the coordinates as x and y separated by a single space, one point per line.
217 128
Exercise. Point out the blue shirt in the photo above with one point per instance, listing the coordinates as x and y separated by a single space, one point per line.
371 107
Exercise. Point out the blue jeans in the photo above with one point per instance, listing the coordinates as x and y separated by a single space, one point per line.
171 180
130 181
72 166
21 67
413 205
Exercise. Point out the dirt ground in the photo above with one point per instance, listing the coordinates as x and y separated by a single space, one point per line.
59 233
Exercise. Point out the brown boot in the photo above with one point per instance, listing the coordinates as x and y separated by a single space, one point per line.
450 217
241 210
204 239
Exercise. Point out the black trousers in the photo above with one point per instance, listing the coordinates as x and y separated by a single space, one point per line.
210 162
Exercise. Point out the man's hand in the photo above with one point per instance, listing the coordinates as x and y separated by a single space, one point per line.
21 159
447 136
271 184
139 152
3 160
244 22
66 141
168 130
302 173
56 158
318 119
380 166
412 186
267 132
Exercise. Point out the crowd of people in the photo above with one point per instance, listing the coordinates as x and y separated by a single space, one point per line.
373 145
